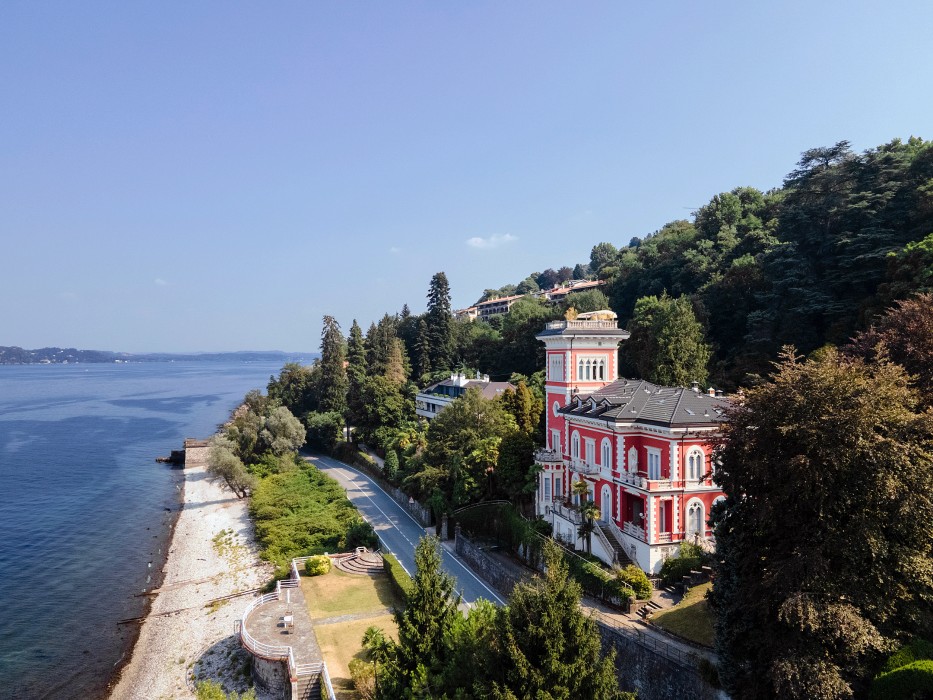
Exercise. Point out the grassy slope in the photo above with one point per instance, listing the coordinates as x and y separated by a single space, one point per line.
691 618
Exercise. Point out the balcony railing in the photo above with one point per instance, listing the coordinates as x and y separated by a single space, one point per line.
583 325
567 511
546 456
649 484
581 467
634 530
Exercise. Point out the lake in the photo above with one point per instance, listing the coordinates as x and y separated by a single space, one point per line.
86 511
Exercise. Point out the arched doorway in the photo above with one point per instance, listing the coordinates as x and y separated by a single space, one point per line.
605 503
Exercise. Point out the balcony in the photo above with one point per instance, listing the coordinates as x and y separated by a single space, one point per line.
581 467
566 511
633 530
634 480
587 325
545 456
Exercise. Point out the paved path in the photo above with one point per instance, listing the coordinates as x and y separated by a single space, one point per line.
399 531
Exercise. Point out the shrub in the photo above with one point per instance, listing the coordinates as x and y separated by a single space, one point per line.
915 650
637 579
399 577
915 680
363 674
361 534
324 430
390 470
299 513
689 558
709 672
317 565
209 690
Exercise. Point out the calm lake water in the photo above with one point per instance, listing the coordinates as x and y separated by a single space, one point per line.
85 510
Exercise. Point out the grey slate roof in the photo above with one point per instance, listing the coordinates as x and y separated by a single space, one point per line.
638 401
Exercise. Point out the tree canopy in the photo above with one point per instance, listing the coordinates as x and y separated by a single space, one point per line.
812 591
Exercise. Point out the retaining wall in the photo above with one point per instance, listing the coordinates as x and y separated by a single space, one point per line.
652 675
488 568
272 677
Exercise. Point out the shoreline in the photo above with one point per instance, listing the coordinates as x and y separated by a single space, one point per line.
188 628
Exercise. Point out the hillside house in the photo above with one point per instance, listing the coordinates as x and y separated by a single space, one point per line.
644 451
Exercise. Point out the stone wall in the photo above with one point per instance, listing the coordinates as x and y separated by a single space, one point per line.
272 677
652 675
501 578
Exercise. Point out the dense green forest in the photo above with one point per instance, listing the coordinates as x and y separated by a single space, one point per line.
807 263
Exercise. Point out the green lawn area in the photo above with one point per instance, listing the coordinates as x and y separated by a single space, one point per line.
335 594
691 618
341 642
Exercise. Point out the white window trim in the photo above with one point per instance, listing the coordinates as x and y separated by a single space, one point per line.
654 454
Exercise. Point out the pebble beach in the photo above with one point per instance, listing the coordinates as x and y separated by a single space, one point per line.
188 634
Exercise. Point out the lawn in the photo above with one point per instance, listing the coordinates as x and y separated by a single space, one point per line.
335 595
341 642
691 618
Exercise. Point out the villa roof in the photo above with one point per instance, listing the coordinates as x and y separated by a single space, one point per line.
638 401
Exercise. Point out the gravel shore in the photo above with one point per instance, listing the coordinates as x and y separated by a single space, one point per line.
188 634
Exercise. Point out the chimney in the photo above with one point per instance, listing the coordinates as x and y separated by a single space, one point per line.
695 386
711 391
719 393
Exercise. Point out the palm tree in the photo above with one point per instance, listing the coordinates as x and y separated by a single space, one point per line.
589 514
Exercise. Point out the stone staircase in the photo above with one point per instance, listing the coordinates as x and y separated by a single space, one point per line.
645 607
309 688
362 563
622 558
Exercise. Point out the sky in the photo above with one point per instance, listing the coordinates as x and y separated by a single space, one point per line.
209 176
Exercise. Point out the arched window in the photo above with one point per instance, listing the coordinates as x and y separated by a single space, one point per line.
606 456
580 369
575 445
695 464
695 521
576 496
633 460
602 369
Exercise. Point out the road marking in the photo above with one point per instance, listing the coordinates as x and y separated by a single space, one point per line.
452 558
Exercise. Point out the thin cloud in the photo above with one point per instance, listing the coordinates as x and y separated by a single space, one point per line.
394 250
160 282
493 241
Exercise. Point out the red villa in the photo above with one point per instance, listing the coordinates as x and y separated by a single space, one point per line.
643 450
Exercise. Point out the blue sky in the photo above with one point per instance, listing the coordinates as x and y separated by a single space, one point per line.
218 176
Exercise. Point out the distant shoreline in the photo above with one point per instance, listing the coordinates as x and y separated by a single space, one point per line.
13 355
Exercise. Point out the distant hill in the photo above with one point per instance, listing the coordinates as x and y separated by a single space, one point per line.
12 355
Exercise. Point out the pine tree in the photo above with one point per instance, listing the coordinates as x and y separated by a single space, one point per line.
439 323
546 646
356 373
422 351
811 591
423 629
667 345
333 387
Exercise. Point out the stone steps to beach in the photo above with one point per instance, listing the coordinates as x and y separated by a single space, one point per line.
363 564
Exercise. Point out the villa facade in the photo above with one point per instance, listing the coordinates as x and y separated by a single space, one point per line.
644 451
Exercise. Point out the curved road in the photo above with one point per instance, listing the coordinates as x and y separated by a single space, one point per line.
398 530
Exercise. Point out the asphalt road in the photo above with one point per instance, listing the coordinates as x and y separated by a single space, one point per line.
398 530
